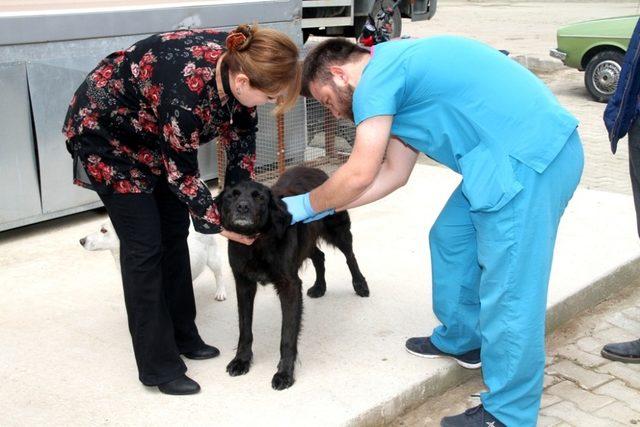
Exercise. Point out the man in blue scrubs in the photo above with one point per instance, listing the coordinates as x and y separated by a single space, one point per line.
473 109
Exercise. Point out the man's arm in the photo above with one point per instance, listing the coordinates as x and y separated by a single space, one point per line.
359 172
394 173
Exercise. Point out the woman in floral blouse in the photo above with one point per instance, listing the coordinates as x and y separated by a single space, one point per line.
134 127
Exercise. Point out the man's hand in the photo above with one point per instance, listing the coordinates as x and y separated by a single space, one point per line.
240 238
299 207
354 177
320 215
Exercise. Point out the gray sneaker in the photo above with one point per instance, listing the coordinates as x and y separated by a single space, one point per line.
423 347
627 352
472 417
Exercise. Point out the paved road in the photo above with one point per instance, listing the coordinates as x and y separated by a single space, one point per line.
581 387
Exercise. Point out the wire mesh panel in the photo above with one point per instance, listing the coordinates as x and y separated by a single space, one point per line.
329 140
307 135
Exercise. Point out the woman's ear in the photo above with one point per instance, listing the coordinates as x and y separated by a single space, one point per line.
280 216
241 81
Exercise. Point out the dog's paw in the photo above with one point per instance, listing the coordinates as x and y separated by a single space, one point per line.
238 367
361 288
316 291
282 380
221 295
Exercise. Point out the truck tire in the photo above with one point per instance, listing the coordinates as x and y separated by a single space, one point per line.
602 73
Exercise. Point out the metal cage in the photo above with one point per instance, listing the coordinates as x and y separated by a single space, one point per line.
307 135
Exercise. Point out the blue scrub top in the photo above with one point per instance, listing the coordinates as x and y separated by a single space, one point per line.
467 106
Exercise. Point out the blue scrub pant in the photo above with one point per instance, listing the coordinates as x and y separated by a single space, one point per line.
490 278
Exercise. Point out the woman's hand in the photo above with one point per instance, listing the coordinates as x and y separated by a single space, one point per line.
240 238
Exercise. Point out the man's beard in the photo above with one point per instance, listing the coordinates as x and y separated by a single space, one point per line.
345 101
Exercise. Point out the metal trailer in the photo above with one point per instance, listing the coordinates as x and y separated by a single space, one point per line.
45 54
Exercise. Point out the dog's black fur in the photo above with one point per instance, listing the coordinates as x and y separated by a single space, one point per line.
251 208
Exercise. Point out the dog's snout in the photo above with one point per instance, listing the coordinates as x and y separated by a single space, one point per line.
242 207
83 241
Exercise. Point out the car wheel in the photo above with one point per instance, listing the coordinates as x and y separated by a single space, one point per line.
602 74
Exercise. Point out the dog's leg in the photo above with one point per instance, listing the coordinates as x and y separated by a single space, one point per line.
320 286
214 262
343 240
246 292
116 256
290 294
221 290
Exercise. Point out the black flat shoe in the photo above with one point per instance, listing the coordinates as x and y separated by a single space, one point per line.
204 352
180 386
628 352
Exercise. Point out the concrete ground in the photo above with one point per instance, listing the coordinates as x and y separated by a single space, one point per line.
66 357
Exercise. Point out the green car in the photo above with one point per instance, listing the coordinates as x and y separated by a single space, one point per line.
598 48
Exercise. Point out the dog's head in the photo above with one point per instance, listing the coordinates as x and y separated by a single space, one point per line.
105 238
250 208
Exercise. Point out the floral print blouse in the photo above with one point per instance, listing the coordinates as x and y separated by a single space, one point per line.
142 113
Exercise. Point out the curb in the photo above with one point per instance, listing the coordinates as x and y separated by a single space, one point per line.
385 413
538 65
598 291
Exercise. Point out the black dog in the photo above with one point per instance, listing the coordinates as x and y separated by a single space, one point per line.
251 208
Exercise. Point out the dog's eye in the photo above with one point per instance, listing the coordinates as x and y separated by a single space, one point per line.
103 230
235 193
257 195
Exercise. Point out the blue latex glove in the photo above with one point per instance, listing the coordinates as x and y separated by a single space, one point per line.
300 209
320 215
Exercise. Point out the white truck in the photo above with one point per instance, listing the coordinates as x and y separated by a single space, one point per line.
347 17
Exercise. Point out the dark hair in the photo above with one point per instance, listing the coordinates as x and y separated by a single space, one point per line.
336 51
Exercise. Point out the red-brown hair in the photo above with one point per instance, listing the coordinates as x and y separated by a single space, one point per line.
269 58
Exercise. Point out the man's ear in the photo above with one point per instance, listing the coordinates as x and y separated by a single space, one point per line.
339 75
280 216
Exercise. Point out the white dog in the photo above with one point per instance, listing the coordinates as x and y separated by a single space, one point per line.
203 252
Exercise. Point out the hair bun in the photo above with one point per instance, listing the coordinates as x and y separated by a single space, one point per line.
239 39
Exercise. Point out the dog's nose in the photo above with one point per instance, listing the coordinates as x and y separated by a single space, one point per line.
242 207
83 240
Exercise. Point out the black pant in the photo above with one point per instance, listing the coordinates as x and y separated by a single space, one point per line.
634 166
156 277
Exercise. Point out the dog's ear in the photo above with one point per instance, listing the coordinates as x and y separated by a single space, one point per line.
280 216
